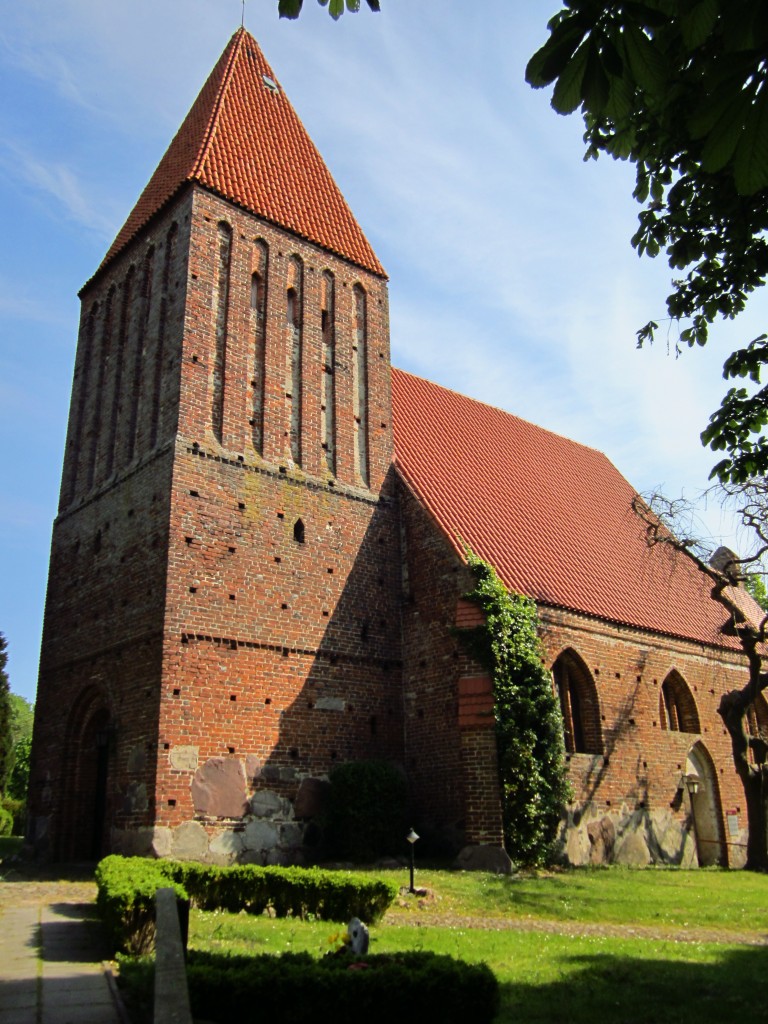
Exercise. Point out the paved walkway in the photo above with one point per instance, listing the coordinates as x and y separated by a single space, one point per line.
51 952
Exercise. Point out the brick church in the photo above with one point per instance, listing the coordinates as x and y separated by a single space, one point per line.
257 572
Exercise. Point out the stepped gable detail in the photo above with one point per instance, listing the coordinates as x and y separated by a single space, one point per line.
554 517
243 140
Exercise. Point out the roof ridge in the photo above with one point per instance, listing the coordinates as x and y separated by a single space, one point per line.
504 412
235 44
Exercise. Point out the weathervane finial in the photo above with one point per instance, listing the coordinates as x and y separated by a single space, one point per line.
242 18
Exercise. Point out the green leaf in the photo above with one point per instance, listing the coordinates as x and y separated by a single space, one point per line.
646 64
594 86
335 8
567 94
712 109
353 6
750 162
289 8
698 24
722 140
548 62
620 100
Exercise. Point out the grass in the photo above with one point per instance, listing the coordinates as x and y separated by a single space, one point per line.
659 898
553 977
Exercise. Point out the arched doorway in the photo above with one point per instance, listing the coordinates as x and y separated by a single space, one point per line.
702 799
83 828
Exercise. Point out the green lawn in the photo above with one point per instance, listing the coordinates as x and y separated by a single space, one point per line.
656 897
549 977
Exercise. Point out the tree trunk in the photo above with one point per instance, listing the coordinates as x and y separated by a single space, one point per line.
732 710
755 791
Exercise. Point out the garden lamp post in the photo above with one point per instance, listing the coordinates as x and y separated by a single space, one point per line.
412 837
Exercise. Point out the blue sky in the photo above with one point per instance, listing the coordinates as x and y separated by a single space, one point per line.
511 274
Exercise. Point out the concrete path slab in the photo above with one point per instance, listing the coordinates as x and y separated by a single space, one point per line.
51 958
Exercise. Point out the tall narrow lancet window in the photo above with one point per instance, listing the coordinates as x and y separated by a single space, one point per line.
104 357
328 400
221 306
677 707
116 413
83 389
136 383
579 704
258 326
165 298
293 356
360 385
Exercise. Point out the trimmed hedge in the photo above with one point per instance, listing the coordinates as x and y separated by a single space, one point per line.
382 989
126 900
379 989
294 892
127 887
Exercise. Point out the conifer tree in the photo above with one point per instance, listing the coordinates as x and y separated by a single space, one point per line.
6 732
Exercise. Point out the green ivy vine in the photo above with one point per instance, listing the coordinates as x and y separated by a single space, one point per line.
529 725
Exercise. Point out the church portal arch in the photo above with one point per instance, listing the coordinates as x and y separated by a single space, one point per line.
701 795
83 814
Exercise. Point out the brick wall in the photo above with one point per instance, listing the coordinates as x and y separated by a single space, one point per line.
211 595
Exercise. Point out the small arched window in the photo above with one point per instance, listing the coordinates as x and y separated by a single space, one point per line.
677 708
298 531
579 704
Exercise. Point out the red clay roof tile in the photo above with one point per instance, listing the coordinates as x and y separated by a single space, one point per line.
243 140
553 517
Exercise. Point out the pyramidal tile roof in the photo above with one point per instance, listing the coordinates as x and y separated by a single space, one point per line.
553 517
243 140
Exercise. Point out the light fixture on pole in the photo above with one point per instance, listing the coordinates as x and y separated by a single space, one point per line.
412 837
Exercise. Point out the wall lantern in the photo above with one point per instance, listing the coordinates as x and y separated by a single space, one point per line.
692 783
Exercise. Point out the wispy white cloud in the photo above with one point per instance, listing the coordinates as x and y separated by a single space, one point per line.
74 198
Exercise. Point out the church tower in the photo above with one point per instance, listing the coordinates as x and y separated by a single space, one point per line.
222 620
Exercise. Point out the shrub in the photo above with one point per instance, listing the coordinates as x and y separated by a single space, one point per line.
6 822
127 887
366 810
126 899
18 812
378 989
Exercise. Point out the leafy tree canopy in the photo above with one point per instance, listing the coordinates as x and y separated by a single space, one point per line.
679 88
292 8
22 718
